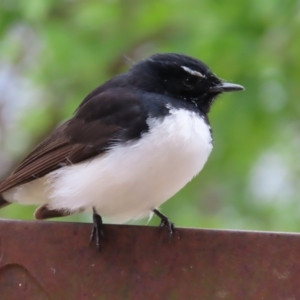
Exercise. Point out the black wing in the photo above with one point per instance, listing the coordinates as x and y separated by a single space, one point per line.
113 116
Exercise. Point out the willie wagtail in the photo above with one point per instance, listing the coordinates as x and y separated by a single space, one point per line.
132 144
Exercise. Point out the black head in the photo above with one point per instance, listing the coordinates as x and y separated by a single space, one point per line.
182 77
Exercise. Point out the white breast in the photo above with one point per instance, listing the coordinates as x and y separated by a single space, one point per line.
132 179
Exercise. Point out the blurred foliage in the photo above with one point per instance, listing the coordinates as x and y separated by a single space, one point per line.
53 53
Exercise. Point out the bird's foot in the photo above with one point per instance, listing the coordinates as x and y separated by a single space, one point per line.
97 230
165 222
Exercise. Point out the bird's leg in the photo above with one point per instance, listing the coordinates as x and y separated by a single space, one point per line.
97 230
165 222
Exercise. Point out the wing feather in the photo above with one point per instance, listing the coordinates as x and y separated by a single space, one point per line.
110 117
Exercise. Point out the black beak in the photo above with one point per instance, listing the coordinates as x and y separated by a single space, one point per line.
226 87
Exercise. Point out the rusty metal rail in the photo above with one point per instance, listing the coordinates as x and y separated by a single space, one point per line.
48 260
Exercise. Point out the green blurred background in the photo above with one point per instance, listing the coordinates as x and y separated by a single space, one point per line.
53 53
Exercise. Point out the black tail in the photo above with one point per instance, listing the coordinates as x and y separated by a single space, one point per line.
3 202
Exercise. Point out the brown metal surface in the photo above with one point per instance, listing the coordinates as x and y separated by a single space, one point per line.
47 260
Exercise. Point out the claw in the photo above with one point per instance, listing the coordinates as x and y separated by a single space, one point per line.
97 230
165 222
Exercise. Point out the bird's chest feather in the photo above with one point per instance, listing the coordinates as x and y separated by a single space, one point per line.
133 178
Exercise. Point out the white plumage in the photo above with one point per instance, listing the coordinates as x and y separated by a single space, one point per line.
131 179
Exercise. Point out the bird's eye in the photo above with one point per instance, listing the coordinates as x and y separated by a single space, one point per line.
188 83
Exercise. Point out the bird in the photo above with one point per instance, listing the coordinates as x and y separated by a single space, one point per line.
132 143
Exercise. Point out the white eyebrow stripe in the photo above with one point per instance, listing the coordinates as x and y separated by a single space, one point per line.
192 72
